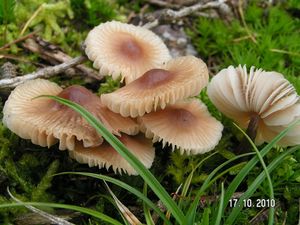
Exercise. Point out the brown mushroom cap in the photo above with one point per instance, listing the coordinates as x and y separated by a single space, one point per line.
44 120
106 156
119 123
240 95
186 125
178 79
124 49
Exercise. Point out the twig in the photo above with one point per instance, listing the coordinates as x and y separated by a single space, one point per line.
17 58
19 40
43 73
163 4
241 38
151 25
192 9
240 8
32 18
53 54
168 4
51 218
284 52
168 14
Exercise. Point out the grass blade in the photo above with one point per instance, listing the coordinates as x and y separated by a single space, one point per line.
271 191
51 218
243 173
190 216
148 217
87 211
126 187
128 156
188 181
255 184
127 214
219 214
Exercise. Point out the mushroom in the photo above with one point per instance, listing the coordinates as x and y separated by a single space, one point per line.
186 125
264 101
106 156
46 121
124 49
179 78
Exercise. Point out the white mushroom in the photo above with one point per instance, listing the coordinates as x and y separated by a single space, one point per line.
265 97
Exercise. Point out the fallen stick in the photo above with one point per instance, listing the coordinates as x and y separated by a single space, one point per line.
18 40
42 73
168 14
192 9
53 54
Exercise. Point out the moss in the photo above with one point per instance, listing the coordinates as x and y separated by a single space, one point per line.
274 29
27 176
48 16
39 192
109 85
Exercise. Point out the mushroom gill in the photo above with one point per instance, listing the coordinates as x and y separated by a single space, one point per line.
46 121
258 95
106 156
186 125
178 79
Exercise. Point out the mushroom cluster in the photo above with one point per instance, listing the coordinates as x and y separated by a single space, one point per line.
46 122
264 101
155 100
157 87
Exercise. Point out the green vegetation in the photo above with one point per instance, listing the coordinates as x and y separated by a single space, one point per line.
269 38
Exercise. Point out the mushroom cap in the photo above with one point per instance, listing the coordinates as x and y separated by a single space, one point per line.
177 79
240 95
186 125
106 156
124 49
119 123
44 120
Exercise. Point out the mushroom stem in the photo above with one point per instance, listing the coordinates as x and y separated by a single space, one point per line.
252 126
251 131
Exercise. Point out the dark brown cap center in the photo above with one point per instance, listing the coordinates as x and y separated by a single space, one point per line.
155 77
131 49
75 93
183 117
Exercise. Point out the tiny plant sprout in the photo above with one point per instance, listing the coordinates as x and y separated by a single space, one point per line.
105 156
186 125
265 102
124 49
45 121
178 79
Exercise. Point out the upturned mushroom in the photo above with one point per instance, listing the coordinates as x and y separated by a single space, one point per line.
178 79
106 156
186 125
265 102
45 122
124 49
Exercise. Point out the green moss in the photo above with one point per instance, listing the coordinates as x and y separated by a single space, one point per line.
27 176
91 13
274 29
48 16
39 191
109 85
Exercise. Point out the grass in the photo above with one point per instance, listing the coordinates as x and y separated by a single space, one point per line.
181 217
267 172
